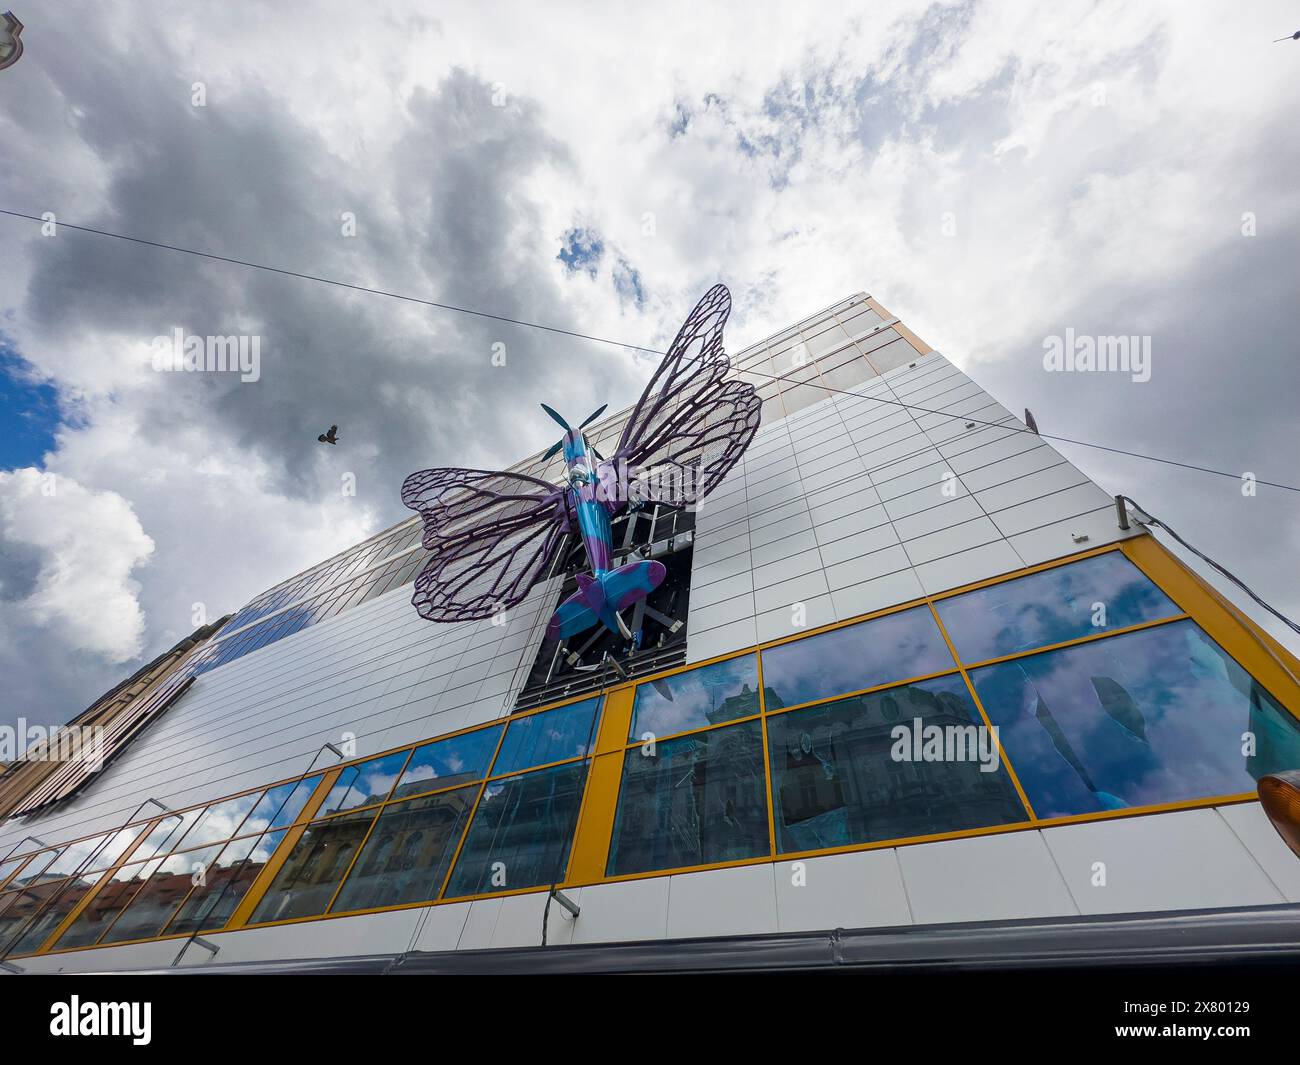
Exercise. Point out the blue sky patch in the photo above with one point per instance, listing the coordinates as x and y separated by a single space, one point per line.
29 412
582 250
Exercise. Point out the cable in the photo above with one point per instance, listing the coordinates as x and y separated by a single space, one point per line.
330 281
1025 429
584 336
1145 517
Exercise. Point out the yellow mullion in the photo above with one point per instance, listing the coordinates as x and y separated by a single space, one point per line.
594 832
767 761
266 876
988 724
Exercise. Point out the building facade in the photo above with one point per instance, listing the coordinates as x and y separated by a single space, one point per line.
909 671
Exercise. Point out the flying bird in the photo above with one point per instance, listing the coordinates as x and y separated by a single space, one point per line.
332 437
495 535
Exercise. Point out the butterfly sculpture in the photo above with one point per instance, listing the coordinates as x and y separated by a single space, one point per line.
495 535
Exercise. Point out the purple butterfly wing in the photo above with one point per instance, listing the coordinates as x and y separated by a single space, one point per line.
691 425
493 536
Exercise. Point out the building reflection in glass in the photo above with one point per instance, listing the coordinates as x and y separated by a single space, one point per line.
836 782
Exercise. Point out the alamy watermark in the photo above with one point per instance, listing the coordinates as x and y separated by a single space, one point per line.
1107 354
240 354
58 743
919 742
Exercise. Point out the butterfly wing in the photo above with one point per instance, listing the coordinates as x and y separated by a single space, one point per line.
707 441
493 536
691 425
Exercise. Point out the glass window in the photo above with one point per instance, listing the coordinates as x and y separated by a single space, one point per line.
108 902
167 883
1083 598
893 647
107 855
220 821
721 692
446 763
1154 716
407 855
7 868
521 832
75 856
280 806
554 736
309 877
167 833
224 883
58 901
16 923
9 917
909 761
34 870
691 801
365 784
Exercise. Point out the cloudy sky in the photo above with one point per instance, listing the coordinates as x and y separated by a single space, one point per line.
994 173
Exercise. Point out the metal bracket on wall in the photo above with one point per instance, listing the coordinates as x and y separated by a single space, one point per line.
212 948
161 805
327 747
567 903
38 842
10 967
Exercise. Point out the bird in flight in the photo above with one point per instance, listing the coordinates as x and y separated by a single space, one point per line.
332 437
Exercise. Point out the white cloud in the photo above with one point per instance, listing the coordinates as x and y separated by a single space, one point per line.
86 545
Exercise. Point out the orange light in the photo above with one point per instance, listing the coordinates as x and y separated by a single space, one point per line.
1279 794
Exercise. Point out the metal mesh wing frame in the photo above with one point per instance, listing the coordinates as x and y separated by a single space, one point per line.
493 537
691 425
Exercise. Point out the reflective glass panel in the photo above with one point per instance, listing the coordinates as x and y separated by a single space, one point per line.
169 881
554 736
893 647
908 761
58 903
220 821
1082 599
446 763
74 856
108 902
691 801
224 883
280 806
35 870
710 695
166 835
107 855
311 874
7 921
7 868
407 855
365 784
23 909
521 832
1154 716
